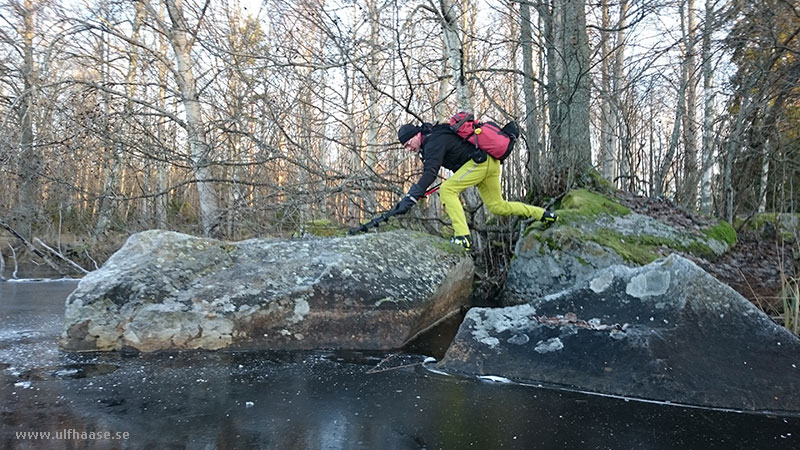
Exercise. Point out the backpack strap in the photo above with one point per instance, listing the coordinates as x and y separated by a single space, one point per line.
457 125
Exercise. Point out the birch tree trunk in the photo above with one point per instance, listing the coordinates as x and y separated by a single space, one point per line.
455 69
28 197
606 155
161 167
663 169
690 174
616 118
762 187
551 18
735 144
357 159
110 170
454 53
113 159
529 93
769 132
708 110
195 127
371 150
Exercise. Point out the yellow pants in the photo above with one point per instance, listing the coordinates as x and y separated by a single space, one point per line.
486 176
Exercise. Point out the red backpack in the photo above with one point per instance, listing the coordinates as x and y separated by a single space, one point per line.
487 136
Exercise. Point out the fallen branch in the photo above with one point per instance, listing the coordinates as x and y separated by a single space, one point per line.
86 252
60 256
32 248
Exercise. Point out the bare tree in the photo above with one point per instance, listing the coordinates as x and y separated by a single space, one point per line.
569 87
707 65
29 160
765 99
181 37
449 15
690 171
668 160
606 151
529 92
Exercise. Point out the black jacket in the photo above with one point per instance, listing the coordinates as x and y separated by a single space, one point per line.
441 148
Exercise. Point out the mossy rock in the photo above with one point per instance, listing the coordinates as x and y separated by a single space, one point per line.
594 232
584 203
787 225
638 250
723 232
599 183
580 206
589 216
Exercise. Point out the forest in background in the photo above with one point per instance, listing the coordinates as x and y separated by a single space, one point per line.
241 119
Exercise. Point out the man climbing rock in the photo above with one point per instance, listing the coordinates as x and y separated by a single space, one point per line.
439 146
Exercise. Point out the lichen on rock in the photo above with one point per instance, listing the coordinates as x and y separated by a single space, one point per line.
666 331
171 291
596 231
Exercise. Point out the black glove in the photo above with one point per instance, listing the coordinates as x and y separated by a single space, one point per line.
404 204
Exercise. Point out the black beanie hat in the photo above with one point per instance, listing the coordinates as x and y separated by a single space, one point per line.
407 131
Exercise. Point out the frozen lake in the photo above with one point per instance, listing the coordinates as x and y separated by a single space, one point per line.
313 400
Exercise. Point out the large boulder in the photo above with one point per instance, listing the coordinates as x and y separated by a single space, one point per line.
169 291
667 331
594 232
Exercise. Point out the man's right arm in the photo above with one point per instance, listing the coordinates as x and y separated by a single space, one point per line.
434 157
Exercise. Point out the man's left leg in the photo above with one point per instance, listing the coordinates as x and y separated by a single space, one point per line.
492 195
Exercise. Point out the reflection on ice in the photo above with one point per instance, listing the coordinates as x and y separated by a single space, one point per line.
316 400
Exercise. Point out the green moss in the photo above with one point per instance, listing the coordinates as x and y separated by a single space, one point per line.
584 206
534 227
630 248
636 249
530 237
759 220
599 183
698 248
723 232
446 232
447 247
439 243
786 224
639 250
323 228
581 202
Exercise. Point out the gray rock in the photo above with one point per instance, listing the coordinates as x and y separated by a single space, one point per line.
565 255
667 331
540 267
170 291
